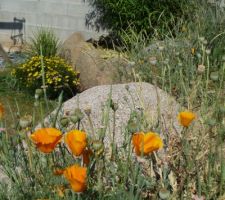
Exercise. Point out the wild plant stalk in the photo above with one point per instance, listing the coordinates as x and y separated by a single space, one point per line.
105 117
43 78
91 124
207 73
60 102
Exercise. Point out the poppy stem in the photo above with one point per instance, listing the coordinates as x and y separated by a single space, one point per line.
113 139
91 126
58 109
29 152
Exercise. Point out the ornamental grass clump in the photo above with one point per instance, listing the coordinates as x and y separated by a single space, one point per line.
58 75
44 42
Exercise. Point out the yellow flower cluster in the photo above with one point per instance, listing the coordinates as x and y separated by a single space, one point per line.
57 73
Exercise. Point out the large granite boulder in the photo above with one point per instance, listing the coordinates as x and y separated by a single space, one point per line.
154 102
96 66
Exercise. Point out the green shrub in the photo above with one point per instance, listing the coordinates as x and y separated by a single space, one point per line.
45 41
58 75
140 15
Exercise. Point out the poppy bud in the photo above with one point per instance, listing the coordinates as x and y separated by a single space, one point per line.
25 121
214 76
201 69
79 113
64 121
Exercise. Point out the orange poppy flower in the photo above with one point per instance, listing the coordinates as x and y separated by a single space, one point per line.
77 176
2 111
186 118
77 141
46 139
146 143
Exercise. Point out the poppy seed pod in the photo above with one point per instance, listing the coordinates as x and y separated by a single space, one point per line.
201 69
74 119
98 147
64 121
214 76
87 111
38 93
208 51
113 105
25 121
153 60
79 114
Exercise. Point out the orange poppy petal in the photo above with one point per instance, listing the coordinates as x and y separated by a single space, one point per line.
76 141
77 186
146 143
186 118
77 176
46 135
152 142
46 148
138 140
46 139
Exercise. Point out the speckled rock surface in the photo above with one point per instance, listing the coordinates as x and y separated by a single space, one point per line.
139 96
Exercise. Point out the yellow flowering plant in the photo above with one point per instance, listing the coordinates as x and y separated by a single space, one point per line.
57 73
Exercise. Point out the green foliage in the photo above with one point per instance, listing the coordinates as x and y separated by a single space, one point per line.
58 75
177 60
45 41
209 23
142 16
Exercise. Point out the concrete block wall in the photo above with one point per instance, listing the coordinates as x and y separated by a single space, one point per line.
64 16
